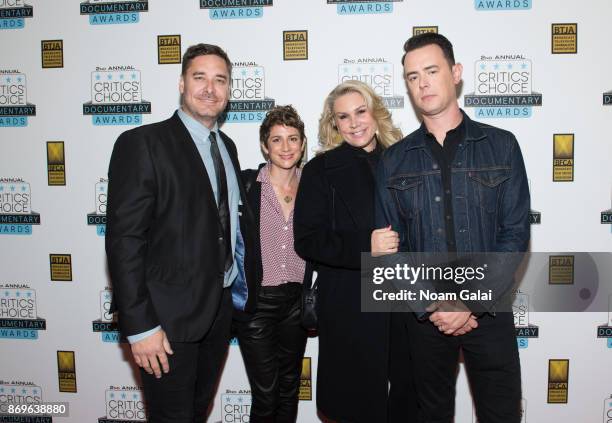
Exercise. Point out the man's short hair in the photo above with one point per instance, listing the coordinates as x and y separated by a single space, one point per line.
204 50
428 38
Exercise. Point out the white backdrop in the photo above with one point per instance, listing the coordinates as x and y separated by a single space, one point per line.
492 45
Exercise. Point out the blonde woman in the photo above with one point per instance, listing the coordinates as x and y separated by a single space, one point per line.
333 221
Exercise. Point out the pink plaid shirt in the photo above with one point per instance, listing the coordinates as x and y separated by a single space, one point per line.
280 262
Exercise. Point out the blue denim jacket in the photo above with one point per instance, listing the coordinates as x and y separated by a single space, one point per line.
489 188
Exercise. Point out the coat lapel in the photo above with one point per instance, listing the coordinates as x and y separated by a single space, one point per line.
193 161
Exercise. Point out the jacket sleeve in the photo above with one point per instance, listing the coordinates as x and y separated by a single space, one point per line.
315 237
130 214
513 231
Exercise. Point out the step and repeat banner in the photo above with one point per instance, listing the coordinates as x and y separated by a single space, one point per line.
74 75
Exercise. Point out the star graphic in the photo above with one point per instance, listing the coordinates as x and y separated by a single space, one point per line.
123 396
18 294
34 391
8 79
23 188
29 294
386 69
112 395
107 296
228 399
1 389
122 76
256 72
24 391
109 76
524 66
483 66
12 187
19 79
496 66
101 188
345 70
509 65
135 396
13 390
244 72
1 188
240 400
6 293
97 77
133 76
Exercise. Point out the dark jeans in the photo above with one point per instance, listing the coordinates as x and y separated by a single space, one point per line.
491 360
272 343
184 394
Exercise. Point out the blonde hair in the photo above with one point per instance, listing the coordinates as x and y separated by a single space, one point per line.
330 138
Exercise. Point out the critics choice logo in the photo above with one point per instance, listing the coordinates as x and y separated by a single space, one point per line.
523 327
97 218
21 393
248 102
106 325
18 315
502 4
14 106
502 88
605 330
110 12
16 215
235 406
116 97
235 9
363 7
13 14
124 404
607 98
376 72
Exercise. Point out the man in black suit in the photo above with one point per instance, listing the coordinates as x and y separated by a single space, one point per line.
178 240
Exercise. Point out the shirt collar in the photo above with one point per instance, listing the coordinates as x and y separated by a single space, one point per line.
199 132
264 174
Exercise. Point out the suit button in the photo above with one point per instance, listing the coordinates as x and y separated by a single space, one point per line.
220 239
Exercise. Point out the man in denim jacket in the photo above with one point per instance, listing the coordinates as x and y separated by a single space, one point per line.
453 185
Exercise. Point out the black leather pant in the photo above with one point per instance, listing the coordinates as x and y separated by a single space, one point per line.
272 343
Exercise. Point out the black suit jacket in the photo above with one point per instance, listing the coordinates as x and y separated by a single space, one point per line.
163 230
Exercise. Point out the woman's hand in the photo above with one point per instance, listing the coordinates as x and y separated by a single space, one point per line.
384 241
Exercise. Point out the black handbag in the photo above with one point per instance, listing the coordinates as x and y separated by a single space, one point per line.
309 299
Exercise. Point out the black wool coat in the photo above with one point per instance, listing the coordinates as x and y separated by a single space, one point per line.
333 221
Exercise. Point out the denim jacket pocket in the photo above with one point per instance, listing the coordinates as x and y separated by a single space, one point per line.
487 185
407 193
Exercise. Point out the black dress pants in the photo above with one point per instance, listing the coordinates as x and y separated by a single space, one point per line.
492 364
272 343
184 394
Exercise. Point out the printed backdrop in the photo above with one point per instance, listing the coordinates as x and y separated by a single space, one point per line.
74 75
